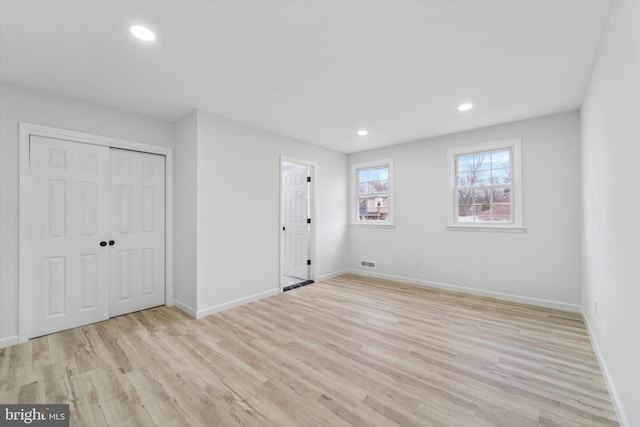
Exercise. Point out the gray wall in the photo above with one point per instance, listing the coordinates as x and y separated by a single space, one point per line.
186 213
237 194
610 149
540 266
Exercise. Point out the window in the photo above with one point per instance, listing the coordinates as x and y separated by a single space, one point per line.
372 193
485 186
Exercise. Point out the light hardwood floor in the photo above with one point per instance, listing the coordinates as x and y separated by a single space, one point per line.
347 351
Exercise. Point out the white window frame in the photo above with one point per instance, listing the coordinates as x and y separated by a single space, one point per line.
513 144
355 220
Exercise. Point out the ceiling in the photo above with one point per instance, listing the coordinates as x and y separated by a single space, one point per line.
317 71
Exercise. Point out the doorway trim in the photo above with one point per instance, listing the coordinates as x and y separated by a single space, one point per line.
24 278
312 211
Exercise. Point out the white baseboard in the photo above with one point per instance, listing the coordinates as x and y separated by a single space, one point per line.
10 340
332 275
184 307
481 292
617 404
227 305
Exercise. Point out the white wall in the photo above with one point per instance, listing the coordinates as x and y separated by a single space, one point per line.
238 210
186 200
610 150
20 104
540 266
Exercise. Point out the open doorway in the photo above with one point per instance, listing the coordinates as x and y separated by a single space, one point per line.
296 208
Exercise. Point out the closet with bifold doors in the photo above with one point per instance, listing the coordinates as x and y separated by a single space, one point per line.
96 233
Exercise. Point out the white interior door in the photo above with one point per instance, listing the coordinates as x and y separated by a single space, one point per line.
69 217
296 228
137 231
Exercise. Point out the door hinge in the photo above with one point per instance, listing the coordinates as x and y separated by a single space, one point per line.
308 179
308 262
308 220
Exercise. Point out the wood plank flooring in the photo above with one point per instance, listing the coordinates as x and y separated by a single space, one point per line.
347 351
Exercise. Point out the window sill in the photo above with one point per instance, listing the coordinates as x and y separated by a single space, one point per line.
372 225
487 228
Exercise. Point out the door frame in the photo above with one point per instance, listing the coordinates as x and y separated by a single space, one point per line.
312 212
25 292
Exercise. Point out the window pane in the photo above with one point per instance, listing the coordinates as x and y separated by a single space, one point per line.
501 195
376 187
484 205
482 177
373 208
501 159
375 180
464 163
501 213
501 201
373 193
484 184
481 161
462 180
474 171
501 176
481 197
468 167
465 197
466 209
465 213
501 167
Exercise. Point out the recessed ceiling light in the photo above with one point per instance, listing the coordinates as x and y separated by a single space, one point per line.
363 132
465 107
143 33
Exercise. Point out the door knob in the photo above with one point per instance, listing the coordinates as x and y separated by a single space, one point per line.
111 243
103 243
283 228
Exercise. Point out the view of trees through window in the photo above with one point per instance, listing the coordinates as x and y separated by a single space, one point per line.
484 187
373 193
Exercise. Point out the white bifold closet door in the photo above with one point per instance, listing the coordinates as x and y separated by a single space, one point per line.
137 228
69 210
96 233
